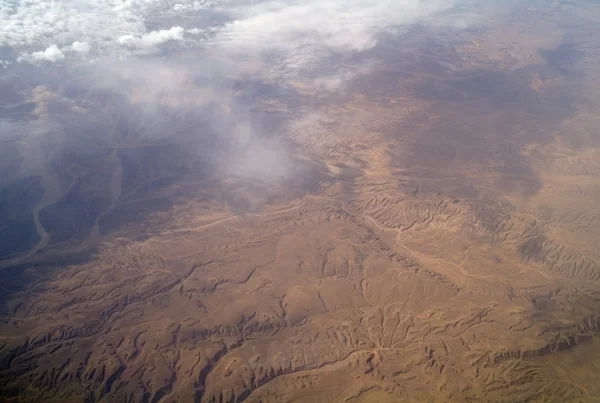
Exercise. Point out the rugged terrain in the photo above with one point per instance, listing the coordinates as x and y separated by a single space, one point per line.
429 234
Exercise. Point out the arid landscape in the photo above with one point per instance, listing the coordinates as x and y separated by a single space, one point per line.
417 221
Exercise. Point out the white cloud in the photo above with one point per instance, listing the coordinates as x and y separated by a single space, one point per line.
193 5
303 29
151 39
310 26
181 7
80 47
293 34
30 23
51 54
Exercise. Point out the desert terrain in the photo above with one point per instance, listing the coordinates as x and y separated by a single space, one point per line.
429 234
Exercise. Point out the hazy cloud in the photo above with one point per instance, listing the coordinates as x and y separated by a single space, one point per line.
151 39
80 47
263 41
51 54
30 23
303 31
217 74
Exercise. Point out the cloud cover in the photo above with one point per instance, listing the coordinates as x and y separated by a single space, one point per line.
300 31
151 39
195 71
51 54
164 56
